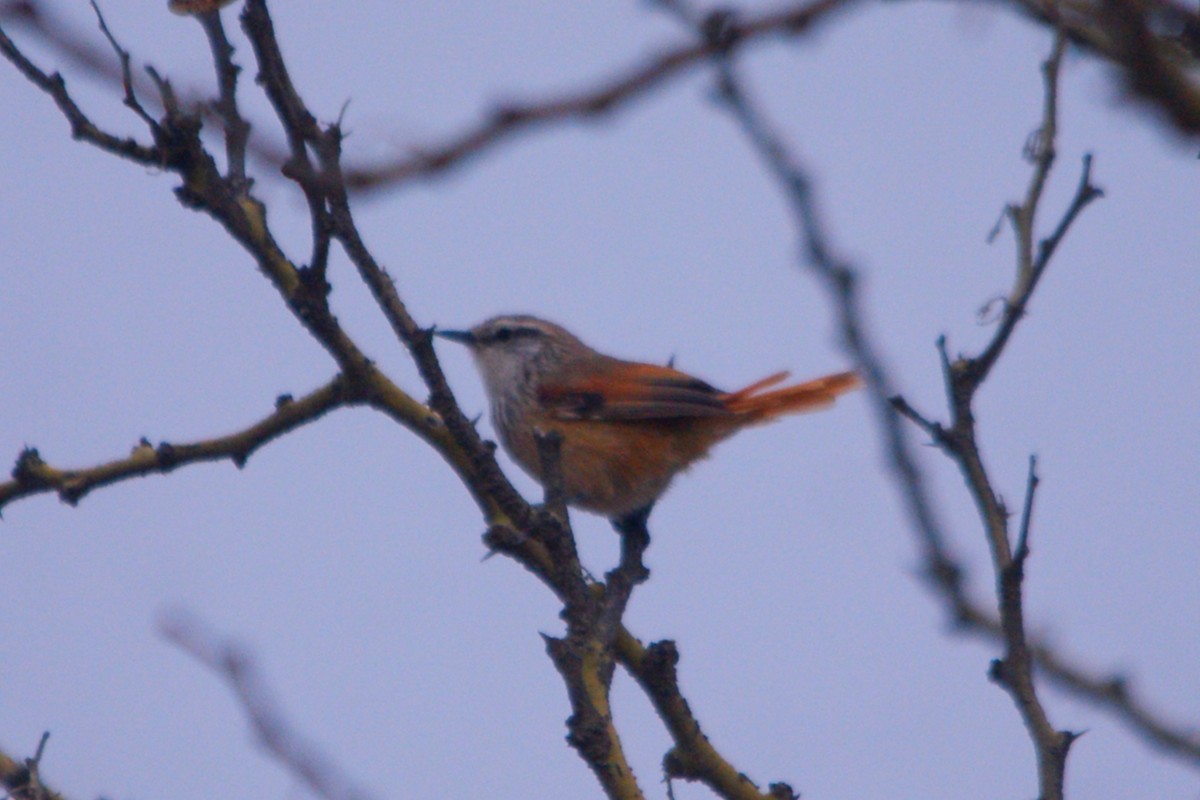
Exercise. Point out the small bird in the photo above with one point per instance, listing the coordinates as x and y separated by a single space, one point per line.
627 428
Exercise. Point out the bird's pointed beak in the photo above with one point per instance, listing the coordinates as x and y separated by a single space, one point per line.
462 337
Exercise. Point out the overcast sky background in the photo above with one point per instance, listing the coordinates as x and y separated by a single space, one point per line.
347 556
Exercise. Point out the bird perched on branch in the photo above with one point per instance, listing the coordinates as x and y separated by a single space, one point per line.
626 428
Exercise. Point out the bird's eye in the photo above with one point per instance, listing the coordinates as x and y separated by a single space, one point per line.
504 334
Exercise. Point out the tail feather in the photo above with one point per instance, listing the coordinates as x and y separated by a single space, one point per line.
759 406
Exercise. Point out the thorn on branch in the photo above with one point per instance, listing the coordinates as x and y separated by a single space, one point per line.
1005 213
679 8
1022 551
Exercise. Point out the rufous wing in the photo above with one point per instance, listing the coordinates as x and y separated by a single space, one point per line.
625 390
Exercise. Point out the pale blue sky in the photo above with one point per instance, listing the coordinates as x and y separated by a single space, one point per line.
347 556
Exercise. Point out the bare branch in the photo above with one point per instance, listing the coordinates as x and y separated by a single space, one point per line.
237 129
553 530
57 34
32 475
237 668
131 100
584 104
693 756
585 657
230 203
935 430
587 670
965 375
1115 692
301 129
82 127
540 541
1015 670
841 279
1030 265
244 218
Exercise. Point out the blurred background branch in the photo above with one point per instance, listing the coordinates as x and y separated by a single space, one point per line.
1118 31
1154 67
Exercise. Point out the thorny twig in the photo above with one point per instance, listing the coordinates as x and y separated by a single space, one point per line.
964 377
32 475
1016 669
237 129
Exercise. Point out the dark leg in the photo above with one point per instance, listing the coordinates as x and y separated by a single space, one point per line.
634 522
635 538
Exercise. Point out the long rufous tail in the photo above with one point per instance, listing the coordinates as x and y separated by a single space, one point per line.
759 406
